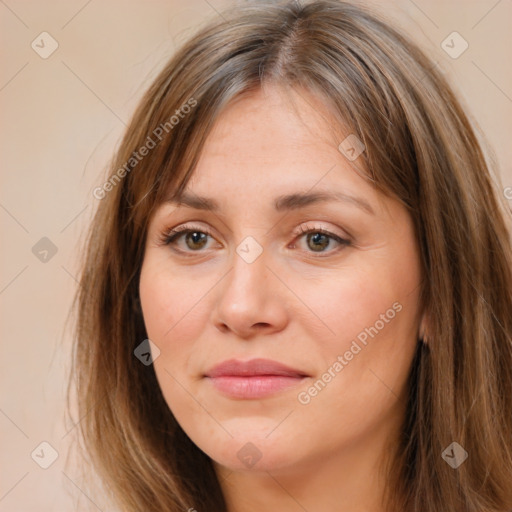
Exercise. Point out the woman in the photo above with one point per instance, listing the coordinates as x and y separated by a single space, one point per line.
296 293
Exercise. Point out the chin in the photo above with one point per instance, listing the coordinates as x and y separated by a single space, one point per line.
252 451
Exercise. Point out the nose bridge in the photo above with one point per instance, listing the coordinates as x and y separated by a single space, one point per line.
249 295
248 279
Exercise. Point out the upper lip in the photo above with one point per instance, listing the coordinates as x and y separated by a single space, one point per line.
253 367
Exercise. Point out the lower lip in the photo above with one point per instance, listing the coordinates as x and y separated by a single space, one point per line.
257 386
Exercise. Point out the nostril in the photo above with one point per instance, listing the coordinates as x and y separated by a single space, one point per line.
261 325
223 327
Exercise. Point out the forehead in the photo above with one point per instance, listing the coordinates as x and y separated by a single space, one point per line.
271 141
272 120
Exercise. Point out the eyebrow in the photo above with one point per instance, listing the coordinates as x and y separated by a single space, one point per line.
282 203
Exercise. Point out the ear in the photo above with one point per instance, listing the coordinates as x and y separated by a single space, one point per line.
136 306
424 328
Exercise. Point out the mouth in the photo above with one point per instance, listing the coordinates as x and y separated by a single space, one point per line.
253 379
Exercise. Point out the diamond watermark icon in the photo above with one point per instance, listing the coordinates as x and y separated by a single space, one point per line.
249 454
454 455
454 45
147 352
44 250
44 45
351 147
249 249
44 455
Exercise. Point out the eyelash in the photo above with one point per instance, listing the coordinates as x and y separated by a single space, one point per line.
170 237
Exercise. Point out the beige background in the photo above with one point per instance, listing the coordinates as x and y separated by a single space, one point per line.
61 119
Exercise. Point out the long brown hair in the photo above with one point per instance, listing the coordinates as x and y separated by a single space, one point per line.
420 149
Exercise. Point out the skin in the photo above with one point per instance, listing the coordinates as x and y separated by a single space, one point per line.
294 304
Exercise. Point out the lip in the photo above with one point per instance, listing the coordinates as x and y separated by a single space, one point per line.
256 378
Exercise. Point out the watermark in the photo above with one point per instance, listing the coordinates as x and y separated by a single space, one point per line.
249 455
304 397
44 250
507 192
44 45
249 249
454 45
454 455
351 147
44 455
157 135
147 352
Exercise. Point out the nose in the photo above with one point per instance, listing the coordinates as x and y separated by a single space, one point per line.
251 300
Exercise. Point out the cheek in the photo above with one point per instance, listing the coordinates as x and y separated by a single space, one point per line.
346 303
173 305
369 317
174 311
373 312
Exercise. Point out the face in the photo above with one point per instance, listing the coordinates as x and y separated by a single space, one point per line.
282 293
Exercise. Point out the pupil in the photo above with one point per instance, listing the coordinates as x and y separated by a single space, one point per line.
317 239
197 238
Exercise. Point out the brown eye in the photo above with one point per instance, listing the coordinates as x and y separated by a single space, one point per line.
195 240
186 239
317 241
320 241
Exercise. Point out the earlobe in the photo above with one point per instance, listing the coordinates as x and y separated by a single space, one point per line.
136 305
423 331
